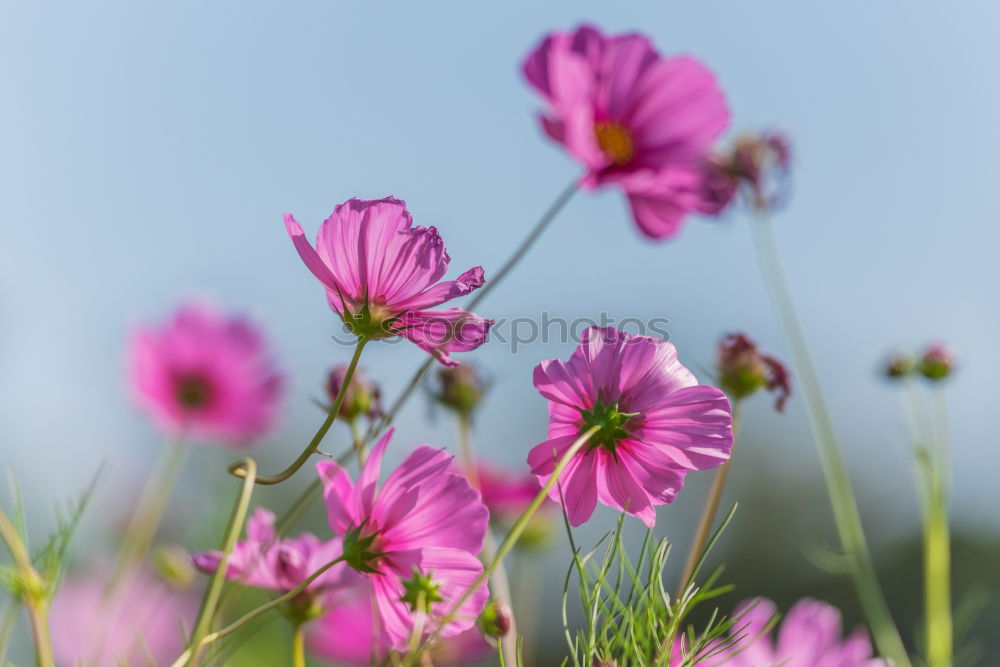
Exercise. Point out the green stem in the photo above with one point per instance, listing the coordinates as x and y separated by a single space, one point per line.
515 531
358 442
214 590
149 512
298 646
33 598
838 483
708 514
252 614
937 549
239 470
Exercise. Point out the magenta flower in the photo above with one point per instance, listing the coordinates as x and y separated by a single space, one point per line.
656 424
206 375
633 118
415 540
505 494
349 634
382 277
141 620
809 636
265 561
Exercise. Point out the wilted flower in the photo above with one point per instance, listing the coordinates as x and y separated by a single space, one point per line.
762 163
635 119
742 370
350 634
809 636
656 424
382 274
280 564
206 375
363 397
415 540
937 362
459 388
138 621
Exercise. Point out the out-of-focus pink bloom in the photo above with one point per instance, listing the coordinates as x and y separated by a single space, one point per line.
656 424
506 494
141 619
937 362
808 636
632 117
206 375
383 275
265 561
363 397
414 539
761 162
349 634
743 369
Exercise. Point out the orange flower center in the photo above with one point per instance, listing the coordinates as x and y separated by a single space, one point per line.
615 141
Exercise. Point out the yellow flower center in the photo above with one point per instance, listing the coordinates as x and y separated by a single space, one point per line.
615 141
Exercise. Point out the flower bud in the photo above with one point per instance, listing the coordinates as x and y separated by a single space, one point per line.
761 162
937 362
363 397
173 564
742 370
495 619
459 389
898 365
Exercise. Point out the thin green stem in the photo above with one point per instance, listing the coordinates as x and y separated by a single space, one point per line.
33 586
252 614
239 470
708 514
515 531
937 547
149 512
358 442
298 646
214 590
838 483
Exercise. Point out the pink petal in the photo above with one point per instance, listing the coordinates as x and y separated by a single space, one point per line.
309 256
443 331
338 494
437 294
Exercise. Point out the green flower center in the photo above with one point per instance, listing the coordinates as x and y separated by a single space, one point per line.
420 591
611 425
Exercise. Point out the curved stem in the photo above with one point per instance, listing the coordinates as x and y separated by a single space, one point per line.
214 590
239 470
708 514
515 532
838 483
298 646
149 512
252 614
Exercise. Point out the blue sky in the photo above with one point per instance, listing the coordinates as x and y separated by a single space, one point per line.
149 150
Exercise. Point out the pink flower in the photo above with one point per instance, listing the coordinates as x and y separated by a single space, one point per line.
349 634
265 561
415 539
206 375
381 276
656 424
142 619
632 117
505 494
809 636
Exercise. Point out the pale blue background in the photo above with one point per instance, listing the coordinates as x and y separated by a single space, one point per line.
148 150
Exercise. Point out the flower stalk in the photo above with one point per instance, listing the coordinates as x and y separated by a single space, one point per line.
239 468
838 483
938 625
33 594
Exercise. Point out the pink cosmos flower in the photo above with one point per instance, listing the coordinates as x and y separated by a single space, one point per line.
656 424
809 636
632 117
382 277
265 561
349 634
142 619
206 375
415 539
